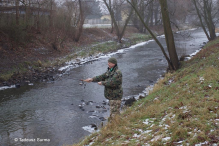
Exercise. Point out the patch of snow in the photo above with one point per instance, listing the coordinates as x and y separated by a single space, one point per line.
166 127
151 125
156 99
96 25
89 128
193 54
164 118
201 79
147 131
200 144
179 142
161 36
148 89
156 138
148 121
187 58
185 109
90 144
136 135
170 81
166 138
7 87
93 117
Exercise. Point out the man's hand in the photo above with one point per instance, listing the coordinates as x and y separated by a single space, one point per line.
100 83
88 80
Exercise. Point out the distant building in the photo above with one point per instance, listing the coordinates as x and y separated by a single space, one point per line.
106 17
94 17
6 3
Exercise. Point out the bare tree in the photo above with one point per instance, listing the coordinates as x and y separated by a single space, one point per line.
156 12
116 11
17 11
80 22
169 35
150 11
172 60
208 13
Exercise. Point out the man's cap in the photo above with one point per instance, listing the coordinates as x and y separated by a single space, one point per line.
112 60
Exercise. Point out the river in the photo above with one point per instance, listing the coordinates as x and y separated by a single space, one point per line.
58 113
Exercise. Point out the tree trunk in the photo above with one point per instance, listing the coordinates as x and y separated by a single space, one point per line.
38 19
142 10
27 14
200 19
156 12
210 24
80 23
169 35
112 26
125 25
51 14
119 32
17 12
152 13
207 18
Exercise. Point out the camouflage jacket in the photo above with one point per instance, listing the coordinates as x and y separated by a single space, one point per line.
112 80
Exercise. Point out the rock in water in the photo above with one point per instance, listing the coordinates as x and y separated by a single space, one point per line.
141 97
94 126
17 85
102 119
130 101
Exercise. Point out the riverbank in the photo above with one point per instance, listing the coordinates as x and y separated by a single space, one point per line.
182 109
23 66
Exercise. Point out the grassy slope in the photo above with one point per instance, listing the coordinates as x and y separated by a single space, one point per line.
183 108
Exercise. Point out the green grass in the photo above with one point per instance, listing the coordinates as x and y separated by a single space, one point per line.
184 110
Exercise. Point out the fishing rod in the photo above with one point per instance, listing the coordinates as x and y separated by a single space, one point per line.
83 82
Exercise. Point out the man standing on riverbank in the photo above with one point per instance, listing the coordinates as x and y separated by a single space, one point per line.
112 80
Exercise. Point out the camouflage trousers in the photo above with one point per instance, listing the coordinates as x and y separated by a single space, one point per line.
114 107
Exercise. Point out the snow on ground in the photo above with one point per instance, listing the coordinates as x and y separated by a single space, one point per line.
89 128
7 87
97 25
79 61
193 54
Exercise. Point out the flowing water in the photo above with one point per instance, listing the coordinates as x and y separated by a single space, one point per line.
58 113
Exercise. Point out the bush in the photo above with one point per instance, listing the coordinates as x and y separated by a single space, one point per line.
16 33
